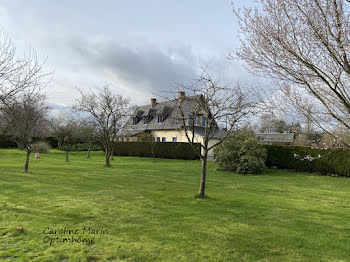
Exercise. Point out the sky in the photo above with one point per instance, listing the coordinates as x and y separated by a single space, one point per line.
140 48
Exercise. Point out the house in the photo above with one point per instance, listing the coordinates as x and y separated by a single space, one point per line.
165 122
276 138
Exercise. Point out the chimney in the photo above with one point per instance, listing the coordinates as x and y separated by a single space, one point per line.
181 95
153 102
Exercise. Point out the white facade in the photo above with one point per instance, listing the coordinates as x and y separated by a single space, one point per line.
180 136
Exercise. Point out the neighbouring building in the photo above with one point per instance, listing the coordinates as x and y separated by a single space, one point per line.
276 138
320 140
164 121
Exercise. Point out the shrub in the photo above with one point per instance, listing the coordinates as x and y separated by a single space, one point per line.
41 147
241 153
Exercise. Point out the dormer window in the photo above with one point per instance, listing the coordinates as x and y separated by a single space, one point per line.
203 120
145 120
190 120
160 119
134 121
198 121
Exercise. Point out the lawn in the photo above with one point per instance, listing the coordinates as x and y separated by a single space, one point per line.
150 213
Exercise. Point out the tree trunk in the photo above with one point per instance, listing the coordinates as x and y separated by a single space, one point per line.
203 177
88 153
26 166
153 153
67 156
107 154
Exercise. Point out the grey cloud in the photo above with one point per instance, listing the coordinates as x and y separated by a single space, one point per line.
143 66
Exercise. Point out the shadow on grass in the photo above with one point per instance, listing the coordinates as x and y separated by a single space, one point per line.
198 196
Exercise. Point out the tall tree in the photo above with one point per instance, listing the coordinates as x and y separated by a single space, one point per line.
304 45
25 119
19 74
108 111
270 123
211 105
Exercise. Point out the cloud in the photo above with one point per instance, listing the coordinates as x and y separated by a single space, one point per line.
145 66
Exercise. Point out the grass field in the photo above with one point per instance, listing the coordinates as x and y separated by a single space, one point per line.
150 213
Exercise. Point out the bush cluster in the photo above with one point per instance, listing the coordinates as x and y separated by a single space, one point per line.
241 153
41 147
157 149
324 161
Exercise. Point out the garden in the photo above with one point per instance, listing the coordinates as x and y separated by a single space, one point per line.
139 209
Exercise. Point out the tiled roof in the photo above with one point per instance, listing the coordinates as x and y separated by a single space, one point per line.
172 117
168 109
276 137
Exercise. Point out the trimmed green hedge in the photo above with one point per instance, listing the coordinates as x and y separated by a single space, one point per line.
161 150
52 141
83 147
6 142
334 161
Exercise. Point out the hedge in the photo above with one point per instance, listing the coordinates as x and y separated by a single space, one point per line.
52 141
334 161
6 142
161 150
83 147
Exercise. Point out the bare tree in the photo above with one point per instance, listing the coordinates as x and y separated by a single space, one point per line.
25 119
19 74
88 133
271 124
304 46
67 130
149 138
108 111
207 105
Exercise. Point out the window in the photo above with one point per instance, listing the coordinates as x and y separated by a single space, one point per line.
163 139
174 139
145 120
160 119
134 121
158 139
197 121
190 120
203 121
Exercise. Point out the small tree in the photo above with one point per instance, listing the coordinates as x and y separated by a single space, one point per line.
212 104
66 129
108 111
241 153
25 119
88 133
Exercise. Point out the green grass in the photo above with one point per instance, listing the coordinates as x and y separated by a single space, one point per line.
151 214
